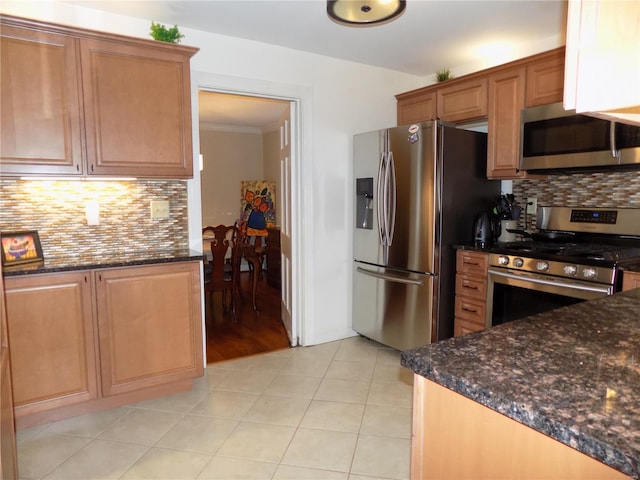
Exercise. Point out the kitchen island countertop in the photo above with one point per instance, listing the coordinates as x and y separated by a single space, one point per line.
572 374
125 258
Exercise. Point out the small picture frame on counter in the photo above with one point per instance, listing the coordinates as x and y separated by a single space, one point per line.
21 247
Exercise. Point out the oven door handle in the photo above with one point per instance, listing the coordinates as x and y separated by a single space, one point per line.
607 290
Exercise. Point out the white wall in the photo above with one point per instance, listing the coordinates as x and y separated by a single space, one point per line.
229 158
337 103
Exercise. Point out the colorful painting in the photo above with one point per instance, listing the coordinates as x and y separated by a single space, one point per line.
258 204
21 247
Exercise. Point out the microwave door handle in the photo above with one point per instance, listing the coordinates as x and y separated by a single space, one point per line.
615 153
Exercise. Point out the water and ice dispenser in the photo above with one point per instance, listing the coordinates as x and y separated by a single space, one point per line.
364 203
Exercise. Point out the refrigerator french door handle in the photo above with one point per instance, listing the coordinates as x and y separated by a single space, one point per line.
389 277
379 199
391 206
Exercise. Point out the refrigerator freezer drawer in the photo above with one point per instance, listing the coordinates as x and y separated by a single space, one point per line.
392 307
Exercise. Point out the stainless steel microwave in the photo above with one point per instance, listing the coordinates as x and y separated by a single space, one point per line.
554 140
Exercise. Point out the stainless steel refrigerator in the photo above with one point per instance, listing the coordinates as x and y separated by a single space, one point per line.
417 190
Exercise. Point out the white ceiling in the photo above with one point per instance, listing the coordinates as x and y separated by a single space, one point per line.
429 36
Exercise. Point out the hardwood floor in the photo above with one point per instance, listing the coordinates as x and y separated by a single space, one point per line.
252 332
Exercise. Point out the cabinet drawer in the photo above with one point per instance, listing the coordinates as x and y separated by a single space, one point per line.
475 263
470 309
462 326
630 280
471 286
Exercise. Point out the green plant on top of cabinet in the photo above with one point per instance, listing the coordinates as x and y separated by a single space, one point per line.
77 102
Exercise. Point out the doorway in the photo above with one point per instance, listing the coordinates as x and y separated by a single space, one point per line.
241 138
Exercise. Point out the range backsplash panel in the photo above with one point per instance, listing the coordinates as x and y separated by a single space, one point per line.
56 209
609 189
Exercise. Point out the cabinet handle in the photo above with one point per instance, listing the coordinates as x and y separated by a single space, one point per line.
469 310
77 167
466 262
100 277
467 285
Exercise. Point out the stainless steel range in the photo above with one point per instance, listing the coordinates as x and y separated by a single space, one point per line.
576 255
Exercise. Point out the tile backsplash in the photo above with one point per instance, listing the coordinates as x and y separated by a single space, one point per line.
56 209
610 189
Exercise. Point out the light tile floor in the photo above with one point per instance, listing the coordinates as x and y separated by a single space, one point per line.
340 410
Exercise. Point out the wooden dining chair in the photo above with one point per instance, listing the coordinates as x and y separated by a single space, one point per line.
219 272
253 255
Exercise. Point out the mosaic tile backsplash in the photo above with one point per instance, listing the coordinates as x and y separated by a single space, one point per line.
56 209
611 189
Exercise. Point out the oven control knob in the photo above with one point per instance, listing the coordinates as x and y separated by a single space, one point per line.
518 262
542 266
502 260
570 270
589 272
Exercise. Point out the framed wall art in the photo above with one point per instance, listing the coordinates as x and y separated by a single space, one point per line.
21 247
258 205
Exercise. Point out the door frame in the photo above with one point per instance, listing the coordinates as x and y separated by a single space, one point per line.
299 98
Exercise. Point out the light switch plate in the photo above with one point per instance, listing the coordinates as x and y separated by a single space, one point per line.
159 209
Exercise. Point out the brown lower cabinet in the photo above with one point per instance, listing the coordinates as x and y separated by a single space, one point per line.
87 340
8 460
630 280
455 437
471 290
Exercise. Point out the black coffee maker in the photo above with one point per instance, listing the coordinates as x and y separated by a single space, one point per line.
486 230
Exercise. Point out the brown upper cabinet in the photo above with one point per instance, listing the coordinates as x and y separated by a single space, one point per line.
498 95
463 101
545 80
420 108
78 102
506 100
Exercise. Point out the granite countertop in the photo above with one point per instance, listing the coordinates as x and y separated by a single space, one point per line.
125 258
572 374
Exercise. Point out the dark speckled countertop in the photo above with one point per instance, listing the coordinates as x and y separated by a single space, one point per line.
552 372
127 258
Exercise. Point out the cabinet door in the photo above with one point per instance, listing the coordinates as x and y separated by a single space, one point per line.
603 59
51 336
506 99
137 110
8 462
149 325
420 108
630 280
545 80
40 98
463 101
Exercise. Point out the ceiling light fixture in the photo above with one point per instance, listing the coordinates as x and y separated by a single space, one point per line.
364 12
